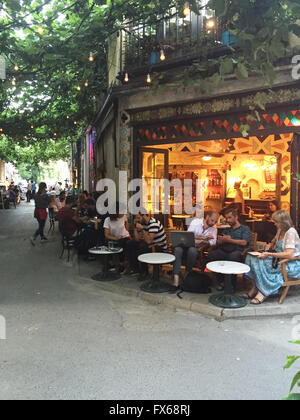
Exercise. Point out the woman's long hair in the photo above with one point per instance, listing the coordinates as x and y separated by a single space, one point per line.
42 188
284 219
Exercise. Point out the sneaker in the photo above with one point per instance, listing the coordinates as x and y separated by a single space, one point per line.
44 239
32 240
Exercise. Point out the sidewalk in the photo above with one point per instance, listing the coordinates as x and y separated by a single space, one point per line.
196 303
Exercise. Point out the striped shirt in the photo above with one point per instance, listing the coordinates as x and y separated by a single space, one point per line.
157 228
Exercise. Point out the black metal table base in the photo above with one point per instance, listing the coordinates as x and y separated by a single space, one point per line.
228 299
156 285
106 276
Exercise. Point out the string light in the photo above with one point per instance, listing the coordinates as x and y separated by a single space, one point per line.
211 23
16 68
86 84
40 30
75 122
187 10
126 78
78 88
68 117
162 55
91 57
149 80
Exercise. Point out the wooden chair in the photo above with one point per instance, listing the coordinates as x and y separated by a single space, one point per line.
288 281
252 246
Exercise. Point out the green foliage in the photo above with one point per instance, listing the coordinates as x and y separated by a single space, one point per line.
291 360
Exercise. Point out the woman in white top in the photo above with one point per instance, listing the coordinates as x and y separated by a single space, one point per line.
266 270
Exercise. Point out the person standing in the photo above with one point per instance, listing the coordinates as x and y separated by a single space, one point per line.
29 192
239 197
33 189
42 201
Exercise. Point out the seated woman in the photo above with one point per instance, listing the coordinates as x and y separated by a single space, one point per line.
116 230
266 273
266 230
53 205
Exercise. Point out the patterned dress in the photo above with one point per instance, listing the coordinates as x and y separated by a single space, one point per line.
269 280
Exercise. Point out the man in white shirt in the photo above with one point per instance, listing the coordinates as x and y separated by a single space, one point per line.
205 234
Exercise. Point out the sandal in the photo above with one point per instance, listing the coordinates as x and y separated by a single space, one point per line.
248 295
256 301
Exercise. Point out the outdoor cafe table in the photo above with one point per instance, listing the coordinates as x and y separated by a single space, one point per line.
228 299
156 259
105 275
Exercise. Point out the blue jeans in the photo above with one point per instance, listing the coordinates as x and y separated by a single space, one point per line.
192 255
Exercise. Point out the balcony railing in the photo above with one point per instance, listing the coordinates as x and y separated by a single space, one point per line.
172 37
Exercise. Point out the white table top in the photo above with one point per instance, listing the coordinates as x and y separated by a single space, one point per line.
157 258
104 251
228 267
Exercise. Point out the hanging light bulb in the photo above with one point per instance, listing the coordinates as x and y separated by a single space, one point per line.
68 117
162 55
31 126
40 30
91 57
211 23
149 80
16 68
187 10
78 88
86 84
13 82
126 78
75 122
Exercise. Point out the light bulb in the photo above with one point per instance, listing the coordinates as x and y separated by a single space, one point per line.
40 30
126 78
68 117
187 10
211 23
149 78
16 68
162 55
91 57
86 84
78 88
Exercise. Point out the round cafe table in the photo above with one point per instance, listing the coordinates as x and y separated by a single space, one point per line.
227 299
156 259
105 275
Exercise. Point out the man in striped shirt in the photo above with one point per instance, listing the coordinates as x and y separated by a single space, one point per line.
148 232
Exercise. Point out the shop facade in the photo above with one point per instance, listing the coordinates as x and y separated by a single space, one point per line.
205 140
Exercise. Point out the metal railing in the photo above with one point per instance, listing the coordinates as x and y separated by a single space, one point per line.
172 37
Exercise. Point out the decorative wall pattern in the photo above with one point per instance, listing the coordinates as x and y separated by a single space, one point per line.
217 128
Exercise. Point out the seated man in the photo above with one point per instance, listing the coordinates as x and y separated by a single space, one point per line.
232 243
148 232
205 234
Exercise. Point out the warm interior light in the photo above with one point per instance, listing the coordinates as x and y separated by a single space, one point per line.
149 80
78 88
207 158
40 30
86 84
211 23
126 78
162 55
91 57
187 10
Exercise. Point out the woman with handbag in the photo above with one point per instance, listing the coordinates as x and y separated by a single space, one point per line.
266 272
42 201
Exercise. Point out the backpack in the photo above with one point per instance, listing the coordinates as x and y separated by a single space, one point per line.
196 282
